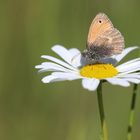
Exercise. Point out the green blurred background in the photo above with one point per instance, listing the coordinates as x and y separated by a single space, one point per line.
31 110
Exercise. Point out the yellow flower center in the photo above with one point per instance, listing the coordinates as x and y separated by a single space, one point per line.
98 71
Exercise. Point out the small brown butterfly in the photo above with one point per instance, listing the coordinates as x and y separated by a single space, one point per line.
103 39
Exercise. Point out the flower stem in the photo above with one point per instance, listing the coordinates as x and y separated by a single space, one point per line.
104 131
132 110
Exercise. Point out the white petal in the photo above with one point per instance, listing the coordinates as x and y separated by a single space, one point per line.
62 52
52 78
130 61
133 80
49 66
68 76
75 57
90 84
58 61
129 72
117 81
128 67
74 51
48 79
76 60
38 66
132 75
71 56
124 53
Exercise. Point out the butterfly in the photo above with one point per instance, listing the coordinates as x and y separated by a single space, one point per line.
104 40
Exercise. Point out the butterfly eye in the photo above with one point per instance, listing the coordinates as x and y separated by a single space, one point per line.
100 21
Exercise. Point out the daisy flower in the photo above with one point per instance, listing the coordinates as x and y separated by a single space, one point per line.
72 67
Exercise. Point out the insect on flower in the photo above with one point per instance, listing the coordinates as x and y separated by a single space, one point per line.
103 39
105 49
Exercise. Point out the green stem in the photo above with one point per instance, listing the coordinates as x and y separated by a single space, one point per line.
101 111
132 110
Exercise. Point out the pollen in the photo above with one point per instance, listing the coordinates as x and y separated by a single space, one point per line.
98 71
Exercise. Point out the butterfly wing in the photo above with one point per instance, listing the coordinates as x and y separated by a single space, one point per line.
99 25
104 37
111 40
